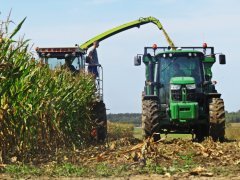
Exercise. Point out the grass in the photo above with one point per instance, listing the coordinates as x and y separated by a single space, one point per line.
68 169
235 125
65 170
138 134
184 163
233 131
103 170
120 130
22 170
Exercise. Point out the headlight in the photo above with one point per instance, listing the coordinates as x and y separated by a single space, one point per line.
191 86
175 86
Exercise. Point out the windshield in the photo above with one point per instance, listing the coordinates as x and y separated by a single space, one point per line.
179 67
56 62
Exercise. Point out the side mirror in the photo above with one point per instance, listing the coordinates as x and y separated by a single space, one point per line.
137 60
205 83
222 59
147 58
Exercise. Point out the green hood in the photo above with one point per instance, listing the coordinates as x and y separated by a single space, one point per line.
182 80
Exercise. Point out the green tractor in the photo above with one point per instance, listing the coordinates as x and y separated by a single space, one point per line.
179 95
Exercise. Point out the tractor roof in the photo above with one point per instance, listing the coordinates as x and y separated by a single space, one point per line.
194 49
180 51
59 52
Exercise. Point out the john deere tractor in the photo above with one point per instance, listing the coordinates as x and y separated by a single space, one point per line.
179 95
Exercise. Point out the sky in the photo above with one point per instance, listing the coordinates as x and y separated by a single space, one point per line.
64 23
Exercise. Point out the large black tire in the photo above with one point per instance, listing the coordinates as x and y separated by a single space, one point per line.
100 121
217 119
150 119
199 137
201 131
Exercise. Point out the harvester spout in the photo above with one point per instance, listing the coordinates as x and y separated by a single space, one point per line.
121 28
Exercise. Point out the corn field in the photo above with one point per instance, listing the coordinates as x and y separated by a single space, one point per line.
40 109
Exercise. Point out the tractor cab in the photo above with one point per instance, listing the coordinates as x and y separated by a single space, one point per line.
172 69
72 59
69 57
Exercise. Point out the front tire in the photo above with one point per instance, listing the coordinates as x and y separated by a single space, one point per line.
217 119
150 119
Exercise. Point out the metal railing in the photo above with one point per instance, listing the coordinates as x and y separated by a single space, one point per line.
98 80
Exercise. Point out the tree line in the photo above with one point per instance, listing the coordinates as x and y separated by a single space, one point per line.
135 118
233 116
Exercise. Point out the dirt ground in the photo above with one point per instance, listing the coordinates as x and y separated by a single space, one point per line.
130 158
176 158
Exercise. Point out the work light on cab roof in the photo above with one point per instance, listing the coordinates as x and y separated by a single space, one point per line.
154 46
59 52
205 45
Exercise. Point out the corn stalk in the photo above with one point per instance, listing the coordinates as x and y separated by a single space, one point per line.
40 109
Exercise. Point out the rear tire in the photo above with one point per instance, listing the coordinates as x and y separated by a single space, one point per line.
217 119
100 121
150 119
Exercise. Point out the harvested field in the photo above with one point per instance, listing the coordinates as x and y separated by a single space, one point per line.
128 157
233 131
